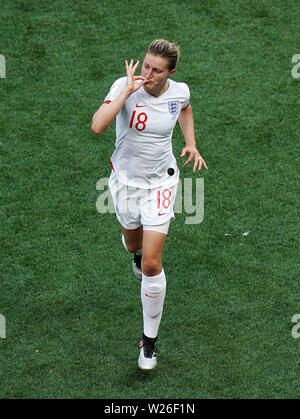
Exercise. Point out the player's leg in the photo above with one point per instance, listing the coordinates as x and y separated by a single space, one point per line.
125 201
153 286
153 291
132 241
156 214
153 243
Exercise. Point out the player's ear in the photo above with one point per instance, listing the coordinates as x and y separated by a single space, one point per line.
172 72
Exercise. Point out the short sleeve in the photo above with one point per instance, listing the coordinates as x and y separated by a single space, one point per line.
185 95
115 89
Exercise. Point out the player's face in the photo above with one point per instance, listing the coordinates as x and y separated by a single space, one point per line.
155 68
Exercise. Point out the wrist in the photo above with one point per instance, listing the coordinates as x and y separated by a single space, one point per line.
126 93
191 142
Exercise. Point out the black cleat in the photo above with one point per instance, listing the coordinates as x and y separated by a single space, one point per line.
147 360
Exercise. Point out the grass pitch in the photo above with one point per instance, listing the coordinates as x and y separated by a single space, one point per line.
71 303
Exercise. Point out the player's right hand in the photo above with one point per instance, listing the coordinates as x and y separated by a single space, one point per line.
133 82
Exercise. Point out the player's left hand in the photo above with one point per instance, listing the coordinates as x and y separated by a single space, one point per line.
193 154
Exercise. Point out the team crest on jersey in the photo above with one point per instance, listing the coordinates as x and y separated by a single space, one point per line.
173 108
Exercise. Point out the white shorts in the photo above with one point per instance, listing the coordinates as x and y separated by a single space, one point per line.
147 207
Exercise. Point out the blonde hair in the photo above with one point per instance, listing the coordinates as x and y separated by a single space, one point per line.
165 49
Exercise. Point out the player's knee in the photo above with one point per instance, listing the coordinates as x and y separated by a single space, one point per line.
151 266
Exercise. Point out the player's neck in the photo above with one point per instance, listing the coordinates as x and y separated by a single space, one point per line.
158 92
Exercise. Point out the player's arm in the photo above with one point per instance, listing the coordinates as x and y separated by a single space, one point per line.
107 112
186 122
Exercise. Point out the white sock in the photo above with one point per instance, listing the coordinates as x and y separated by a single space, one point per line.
153 291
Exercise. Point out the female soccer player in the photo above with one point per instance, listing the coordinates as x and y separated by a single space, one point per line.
145 174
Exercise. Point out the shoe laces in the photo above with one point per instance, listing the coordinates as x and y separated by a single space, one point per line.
148 344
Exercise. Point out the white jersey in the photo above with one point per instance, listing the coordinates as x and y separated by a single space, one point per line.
143 156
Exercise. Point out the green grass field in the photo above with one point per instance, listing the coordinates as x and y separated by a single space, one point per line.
71 304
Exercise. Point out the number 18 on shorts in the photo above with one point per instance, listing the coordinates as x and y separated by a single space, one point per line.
157 205
137 206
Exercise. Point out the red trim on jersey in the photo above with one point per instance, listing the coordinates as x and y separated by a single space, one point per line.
111 165
107 101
